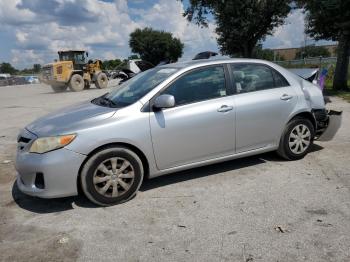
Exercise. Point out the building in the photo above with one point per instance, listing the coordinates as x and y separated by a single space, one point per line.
289 53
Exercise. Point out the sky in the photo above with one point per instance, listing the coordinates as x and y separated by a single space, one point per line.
32 31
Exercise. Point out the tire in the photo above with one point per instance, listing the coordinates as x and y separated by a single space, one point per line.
106 187
76 83
297 139
59 88
101 80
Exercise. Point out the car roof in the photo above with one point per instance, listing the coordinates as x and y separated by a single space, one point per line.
213 61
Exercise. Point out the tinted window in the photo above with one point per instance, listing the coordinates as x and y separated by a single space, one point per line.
252 77
198 85
280 81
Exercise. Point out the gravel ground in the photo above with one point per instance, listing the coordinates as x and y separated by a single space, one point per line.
259 208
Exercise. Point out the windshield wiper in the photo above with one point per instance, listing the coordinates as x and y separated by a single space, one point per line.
108 101
104 101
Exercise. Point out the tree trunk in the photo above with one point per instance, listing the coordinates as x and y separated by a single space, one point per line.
248 50
341 70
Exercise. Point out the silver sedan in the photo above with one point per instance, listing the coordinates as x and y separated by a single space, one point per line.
171 118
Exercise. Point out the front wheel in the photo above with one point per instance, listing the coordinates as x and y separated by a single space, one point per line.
101 80
297 139
112 176
76 83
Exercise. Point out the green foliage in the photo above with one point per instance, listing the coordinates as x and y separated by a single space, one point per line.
155 46
36 68
265 54
330 19
111 64
7 68
312 51
327 19
240 24
133 57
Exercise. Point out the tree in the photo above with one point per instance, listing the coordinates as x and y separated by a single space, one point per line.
240 25
133 57
36 68
111 64
260 53
7 68
155 46
330 20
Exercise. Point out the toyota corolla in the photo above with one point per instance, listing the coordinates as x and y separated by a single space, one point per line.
171 118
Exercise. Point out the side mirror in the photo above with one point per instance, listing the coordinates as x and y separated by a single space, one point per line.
164 101
87 54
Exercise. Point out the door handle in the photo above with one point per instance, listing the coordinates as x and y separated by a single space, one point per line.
225 108
286 97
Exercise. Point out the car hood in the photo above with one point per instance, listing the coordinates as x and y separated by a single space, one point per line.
70 119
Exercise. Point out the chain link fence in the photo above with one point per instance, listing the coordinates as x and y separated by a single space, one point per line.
308 62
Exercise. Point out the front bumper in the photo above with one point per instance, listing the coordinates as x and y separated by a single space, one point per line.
49 175
328 125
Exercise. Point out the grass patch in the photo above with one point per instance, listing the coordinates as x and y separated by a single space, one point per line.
343 94
328 91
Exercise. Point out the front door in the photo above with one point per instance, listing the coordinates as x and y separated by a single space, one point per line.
200 126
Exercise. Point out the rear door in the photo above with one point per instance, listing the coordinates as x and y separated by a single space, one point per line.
264 101
201 125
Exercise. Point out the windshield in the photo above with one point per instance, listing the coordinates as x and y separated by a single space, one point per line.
138 86
78 58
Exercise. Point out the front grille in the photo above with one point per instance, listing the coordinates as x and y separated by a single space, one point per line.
22 139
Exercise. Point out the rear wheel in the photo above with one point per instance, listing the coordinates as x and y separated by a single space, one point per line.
59 88
101 80
112 176
76 83
297 139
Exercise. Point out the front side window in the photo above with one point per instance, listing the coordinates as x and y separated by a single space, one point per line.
252 77
198 85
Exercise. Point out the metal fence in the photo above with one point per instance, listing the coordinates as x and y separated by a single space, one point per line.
317 61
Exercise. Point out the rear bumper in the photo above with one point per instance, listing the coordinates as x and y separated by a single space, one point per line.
328 125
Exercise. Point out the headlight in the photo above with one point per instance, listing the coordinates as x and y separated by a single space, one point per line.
46 144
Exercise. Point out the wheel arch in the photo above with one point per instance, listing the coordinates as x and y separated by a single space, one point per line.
76 72
307 115
133 148
302 114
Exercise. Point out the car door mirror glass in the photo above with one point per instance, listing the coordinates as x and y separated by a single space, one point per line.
164 101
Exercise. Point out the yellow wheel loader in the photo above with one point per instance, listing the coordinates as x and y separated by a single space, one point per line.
74 72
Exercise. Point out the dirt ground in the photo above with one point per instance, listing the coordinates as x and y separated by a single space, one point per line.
259 208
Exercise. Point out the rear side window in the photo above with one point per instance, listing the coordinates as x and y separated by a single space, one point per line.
198 85
280 81
255 77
